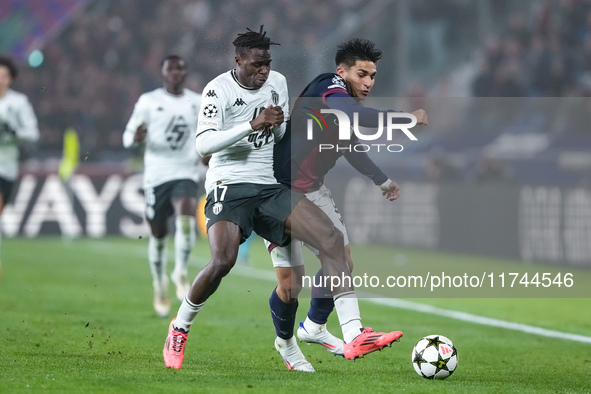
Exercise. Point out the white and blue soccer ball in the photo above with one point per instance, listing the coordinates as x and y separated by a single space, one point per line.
435 357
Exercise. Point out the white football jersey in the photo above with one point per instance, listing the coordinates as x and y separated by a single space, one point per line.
16 115
227 103
170 151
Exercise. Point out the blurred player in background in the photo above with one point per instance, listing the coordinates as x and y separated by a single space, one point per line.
300 165
244 250
241 118
18 123
164 120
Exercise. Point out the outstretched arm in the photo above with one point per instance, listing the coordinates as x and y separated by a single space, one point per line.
365 165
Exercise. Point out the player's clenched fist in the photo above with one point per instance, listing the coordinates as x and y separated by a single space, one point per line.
269 117
140 133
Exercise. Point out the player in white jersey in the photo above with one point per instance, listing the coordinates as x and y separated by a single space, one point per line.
164 121
241 117
251 157
18 123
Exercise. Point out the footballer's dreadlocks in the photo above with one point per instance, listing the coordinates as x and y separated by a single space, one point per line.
252 39
357 49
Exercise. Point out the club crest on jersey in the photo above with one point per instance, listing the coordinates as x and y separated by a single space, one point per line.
210 111
275 97
217 208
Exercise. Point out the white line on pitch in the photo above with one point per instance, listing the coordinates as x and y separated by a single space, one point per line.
257 273
487 321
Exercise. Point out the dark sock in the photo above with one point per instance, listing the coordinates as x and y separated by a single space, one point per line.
283 315
322 303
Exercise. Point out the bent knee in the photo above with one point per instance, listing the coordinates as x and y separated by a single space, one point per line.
332 241
221 267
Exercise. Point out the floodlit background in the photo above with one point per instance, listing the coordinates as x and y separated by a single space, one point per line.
498 183
505 84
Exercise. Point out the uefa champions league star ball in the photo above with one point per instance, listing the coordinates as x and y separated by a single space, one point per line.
435 357
210 111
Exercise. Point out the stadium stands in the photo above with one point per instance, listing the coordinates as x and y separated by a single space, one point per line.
106 56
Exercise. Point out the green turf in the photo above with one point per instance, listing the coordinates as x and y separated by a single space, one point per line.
77 316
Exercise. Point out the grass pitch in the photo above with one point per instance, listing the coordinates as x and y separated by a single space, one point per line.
77 316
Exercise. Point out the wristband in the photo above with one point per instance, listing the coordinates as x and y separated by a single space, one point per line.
386 185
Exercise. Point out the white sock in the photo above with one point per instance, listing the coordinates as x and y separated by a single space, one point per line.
186 314
184 239
157 258
286 342
0 238
312 327
347 308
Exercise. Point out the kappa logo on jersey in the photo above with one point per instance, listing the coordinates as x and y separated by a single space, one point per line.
211 93
210 111
275 97
239 102
177 132
217 208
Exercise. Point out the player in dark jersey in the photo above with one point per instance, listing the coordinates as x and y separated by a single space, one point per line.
300 164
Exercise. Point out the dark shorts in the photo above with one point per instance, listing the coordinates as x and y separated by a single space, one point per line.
6 187
159 199
262 208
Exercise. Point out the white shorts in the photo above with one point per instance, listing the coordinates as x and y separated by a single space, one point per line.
281 256
291 255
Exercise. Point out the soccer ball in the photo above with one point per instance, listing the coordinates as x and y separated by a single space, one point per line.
435 357
210 111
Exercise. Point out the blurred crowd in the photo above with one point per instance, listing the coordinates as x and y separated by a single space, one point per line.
96 69
543 52
109 54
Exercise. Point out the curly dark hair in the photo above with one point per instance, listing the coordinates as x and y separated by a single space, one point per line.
357 49
9 64
252 39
